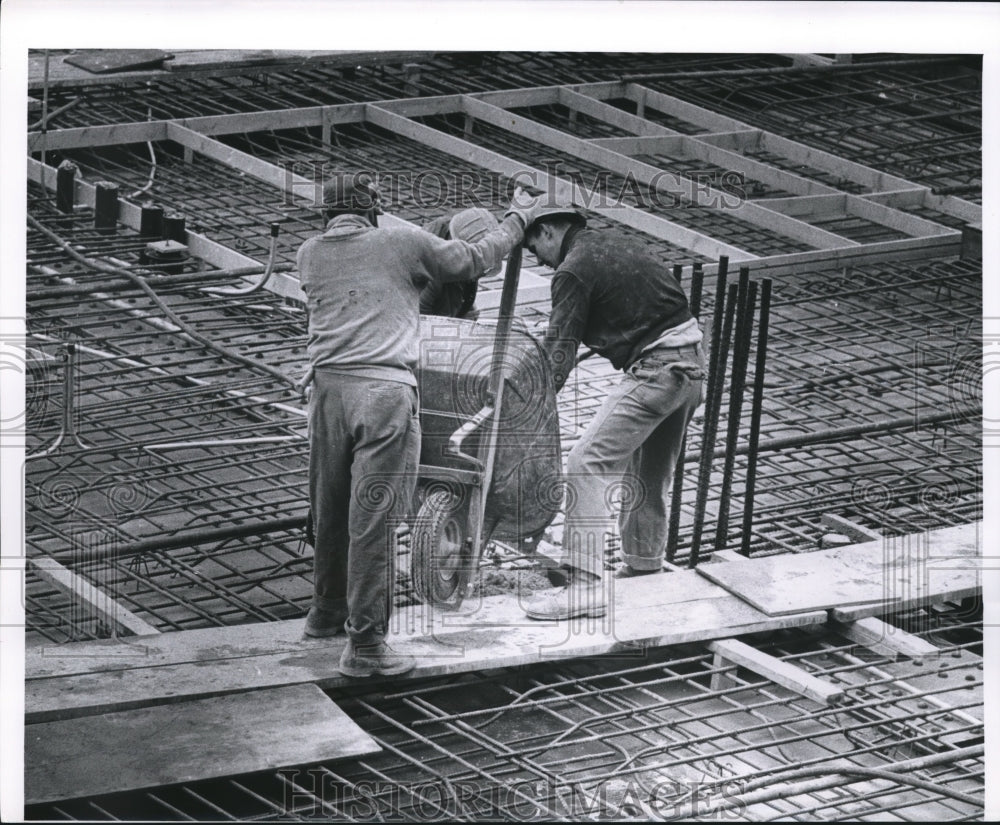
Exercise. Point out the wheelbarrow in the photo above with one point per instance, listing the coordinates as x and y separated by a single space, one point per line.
490 461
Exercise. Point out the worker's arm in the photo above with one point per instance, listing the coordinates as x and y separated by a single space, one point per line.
449 261
567 324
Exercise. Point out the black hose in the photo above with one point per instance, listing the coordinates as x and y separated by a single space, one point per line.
166 310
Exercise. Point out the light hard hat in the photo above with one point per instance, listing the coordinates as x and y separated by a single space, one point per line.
472 224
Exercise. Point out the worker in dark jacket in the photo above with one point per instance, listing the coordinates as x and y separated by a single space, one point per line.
611 294
362 284
457 300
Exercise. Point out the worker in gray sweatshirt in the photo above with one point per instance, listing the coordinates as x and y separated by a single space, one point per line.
363 284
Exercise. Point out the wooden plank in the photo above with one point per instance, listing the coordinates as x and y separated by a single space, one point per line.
686 146
893 218
742 140
701 194
561 188
853 531
795 263
674 106
904 571
828 162
782 673
493 632
607 113
82 136
187 742
885 639
95 601
811 206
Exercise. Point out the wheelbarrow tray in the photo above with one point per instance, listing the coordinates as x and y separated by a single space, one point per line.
453 375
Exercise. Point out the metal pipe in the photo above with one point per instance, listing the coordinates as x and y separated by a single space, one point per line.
753 440
719 355
741 349
677 486
189 538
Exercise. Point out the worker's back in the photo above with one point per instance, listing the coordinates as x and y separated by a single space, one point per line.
363 288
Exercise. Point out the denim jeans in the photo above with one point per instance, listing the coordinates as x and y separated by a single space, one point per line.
364 445
629 451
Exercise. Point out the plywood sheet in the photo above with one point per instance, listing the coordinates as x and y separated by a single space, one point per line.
895 573
185 742
654 611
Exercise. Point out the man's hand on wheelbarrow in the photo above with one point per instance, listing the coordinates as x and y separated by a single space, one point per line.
525 206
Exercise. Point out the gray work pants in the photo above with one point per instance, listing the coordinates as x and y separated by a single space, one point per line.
364 445
628 452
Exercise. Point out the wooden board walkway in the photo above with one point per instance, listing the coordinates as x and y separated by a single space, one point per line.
860 579
201 739
88 678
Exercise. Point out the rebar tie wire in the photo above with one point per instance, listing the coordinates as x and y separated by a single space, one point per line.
142 284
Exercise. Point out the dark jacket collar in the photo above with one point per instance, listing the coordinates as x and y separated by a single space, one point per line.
567 241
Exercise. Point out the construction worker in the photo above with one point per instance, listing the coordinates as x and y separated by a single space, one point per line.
457 300
611 294
362 283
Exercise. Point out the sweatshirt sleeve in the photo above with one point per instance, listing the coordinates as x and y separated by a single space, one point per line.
567 324
448 261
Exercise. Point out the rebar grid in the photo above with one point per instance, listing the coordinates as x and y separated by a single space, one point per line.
270 88
920 123
641 736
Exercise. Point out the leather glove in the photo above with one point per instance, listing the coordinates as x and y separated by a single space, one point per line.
525 206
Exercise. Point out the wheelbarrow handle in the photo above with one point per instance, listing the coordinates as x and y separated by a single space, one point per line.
454 447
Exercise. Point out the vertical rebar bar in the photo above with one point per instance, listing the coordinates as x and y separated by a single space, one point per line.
677 487
745 306
755 413
718 358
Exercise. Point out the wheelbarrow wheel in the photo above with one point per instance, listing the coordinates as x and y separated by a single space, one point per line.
438 543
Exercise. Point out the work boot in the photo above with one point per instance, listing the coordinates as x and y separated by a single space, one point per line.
321 623
376 659
628 572
583 596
